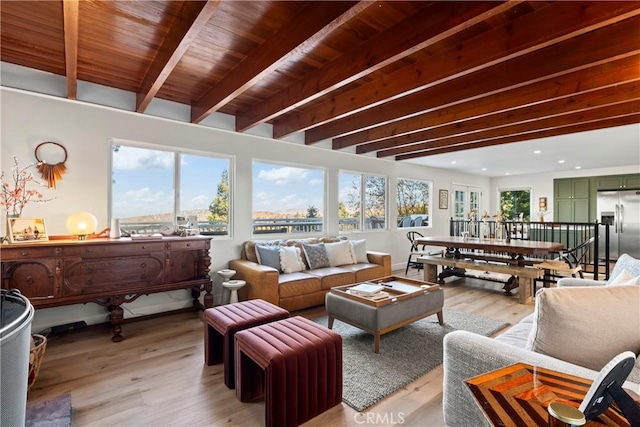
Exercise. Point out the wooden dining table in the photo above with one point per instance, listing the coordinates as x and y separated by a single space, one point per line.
516 248
489 255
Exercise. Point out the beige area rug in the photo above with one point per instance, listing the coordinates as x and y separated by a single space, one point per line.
405 354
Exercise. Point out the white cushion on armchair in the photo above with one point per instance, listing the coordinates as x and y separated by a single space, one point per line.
586 326
625 263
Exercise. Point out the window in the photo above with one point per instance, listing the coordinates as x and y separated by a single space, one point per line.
145 199
361 206
414 203
515 205
287 199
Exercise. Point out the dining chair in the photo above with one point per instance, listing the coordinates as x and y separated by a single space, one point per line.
418 250
568 263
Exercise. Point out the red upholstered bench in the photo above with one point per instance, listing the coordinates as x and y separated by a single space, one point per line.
222 323
295 363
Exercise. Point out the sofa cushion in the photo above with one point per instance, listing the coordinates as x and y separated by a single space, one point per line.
333 276
294 284
625 262
339 253
518 334
316 256
298 243
364 272
359 251
586 326
290 259
249 251
269 256
625 278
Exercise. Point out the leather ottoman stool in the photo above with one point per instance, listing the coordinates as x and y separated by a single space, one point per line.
222 323
295 363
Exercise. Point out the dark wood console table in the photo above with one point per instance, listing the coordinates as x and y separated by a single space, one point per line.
108 272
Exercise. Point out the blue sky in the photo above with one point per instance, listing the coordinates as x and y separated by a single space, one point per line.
278 188
143 181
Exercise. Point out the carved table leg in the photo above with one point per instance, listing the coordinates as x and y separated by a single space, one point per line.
512 283
208 296
450 271
117 315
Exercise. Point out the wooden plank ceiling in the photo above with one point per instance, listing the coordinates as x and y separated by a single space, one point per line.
401 79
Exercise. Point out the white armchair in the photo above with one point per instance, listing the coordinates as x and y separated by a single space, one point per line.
625 263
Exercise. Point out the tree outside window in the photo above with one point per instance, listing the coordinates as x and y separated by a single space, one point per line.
413 203
362 201
515 205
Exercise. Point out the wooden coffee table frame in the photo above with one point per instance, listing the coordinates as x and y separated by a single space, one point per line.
395 295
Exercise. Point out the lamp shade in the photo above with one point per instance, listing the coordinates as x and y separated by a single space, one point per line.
82 224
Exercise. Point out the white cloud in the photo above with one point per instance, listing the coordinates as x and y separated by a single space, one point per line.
143 201
283 175
132 158
197 202
314 181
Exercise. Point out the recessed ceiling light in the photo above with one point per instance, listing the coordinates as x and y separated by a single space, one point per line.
578 167
453 162
507 173
484 169
537 152
560 161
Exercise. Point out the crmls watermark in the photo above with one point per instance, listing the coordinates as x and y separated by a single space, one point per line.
373 418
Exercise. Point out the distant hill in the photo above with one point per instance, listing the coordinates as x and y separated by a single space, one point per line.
203 215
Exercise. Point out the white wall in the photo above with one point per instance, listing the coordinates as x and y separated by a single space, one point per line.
86 130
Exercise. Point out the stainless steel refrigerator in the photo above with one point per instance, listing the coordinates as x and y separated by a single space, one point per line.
621 210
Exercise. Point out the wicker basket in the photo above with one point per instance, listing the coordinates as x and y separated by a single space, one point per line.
36 355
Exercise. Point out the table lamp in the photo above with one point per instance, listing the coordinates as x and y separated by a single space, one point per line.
81 224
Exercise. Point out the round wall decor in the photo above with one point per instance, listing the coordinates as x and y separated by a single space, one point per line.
51 170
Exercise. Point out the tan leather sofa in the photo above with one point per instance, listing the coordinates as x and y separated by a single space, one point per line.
295 291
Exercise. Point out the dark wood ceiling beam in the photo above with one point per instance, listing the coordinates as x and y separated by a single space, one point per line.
543 133
617 72
399 41
360 108
70 14
591 115
192 18
597 99
316 19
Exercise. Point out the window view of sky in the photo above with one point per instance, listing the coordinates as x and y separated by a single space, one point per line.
143 181
278 188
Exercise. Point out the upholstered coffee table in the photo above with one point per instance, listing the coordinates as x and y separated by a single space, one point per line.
407 301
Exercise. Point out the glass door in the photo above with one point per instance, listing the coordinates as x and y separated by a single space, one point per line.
466 202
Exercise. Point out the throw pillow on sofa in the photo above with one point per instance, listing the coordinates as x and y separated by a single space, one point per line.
316 255
269 255
290 259
359 251
339 253
586 326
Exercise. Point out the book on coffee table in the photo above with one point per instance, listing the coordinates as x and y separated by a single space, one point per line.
366 289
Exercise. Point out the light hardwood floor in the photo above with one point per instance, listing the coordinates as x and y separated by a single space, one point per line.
157 377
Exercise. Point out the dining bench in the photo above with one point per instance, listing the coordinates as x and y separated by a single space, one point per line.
521 277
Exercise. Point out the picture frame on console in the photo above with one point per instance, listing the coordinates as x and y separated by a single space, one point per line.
27 230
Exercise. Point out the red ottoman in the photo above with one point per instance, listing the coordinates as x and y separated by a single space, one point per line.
295 363
221 324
